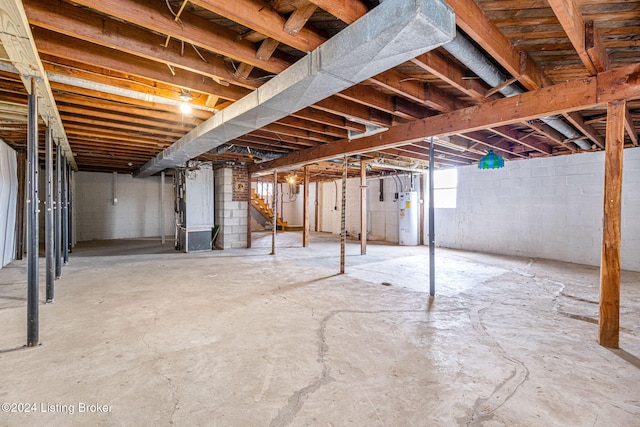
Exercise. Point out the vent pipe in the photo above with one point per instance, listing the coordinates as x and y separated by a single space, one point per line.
390 34
464 51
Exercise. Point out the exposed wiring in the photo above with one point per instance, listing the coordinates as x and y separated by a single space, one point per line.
102 75
335 205
175 15
240 76
396 180
198 52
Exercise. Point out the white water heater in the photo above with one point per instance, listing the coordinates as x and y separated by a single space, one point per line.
408 217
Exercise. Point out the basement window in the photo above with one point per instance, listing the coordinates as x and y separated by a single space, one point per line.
445 184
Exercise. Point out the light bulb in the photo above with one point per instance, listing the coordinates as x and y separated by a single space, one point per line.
185 107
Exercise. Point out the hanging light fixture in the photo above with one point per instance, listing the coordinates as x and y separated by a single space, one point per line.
491 161
185 97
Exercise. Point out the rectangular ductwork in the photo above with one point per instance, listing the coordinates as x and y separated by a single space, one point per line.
390 34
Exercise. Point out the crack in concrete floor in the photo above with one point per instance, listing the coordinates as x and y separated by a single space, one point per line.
492 348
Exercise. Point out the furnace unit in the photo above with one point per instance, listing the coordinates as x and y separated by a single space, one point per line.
194 208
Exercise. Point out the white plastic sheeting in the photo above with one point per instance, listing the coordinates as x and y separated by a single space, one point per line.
8 200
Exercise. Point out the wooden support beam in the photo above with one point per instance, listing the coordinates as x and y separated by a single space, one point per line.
509 134
576 119
570 18
565 97
595 47
137 43
447 71
403 107
198 31
609 320
263 21
298 19
81 51
345 10
630 128
549 132
421 93
16 39
472 20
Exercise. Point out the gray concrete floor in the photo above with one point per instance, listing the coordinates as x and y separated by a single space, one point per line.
243 338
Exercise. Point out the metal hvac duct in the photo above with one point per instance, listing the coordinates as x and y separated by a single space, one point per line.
390 34
464 51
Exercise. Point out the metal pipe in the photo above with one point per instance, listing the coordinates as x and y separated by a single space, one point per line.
114 188
343 215
65 213
249 193
162 207
382 165
274 208
363 207
49 225
58 220
464 51
32 220
70 182
432 237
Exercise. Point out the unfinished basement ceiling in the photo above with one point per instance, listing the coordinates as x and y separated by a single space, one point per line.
117 70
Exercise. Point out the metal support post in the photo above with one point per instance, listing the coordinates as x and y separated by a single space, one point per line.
162 207
58 219
32 220
432 238
48 226
65 213
70 181
363 207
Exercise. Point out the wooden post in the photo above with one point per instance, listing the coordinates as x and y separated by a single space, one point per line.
609 320
363 207
305 209
274 212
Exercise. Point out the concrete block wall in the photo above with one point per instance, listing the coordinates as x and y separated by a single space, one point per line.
329 201
231 215
546 207
382 216
136 213
292 204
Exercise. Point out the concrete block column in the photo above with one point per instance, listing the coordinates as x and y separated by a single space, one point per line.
231 206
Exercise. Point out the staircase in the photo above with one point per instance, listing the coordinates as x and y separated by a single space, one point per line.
265 210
